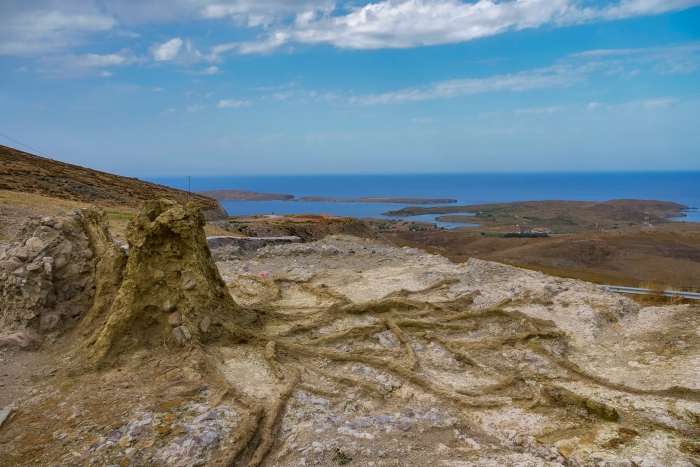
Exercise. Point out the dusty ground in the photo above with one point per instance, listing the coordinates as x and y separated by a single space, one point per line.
394 357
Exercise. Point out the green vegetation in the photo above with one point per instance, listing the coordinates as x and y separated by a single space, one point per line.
117 215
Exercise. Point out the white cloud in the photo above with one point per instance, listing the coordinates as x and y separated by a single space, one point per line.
168 111
157 89
644 104
40 26
572 70
232 103
413 23
89 63
196 108
212 70
539 110
550 77
167 51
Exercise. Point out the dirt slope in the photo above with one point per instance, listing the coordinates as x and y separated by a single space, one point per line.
27 173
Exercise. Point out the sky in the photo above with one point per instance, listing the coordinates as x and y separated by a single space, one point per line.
238 87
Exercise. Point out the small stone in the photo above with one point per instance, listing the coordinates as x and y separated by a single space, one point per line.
204 324
442 449
181 335
168 306
404 426
205 416
189 284
175 319
158 274
49 322
19 253
5 413
20 272
209 437
35 243
163 430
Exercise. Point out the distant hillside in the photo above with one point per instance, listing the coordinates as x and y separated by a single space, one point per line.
24 172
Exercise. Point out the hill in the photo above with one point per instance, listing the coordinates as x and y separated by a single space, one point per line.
27 173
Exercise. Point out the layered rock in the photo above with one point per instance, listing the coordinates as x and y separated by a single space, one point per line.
46 276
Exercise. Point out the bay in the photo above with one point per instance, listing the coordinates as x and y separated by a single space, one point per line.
467 188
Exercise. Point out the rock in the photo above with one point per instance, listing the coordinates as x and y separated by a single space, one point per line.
383 419
175 319
34 244
205 416
646 462
19 253
49 322
204 324
404 426
209 437
189 284
20 272
181 335
168 306
5 413
26 339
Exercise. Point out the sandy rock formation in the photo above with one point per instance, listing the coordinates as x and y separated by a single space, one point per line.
46 278
171 292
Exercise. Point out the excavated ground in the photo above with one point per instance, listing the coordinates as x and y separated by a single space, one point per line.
371 355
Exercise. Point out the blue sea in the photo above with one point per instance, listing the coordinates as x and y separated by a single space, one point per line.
679 187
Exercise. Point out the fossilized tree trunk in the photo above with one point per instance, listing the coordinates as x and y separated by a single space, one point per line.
109 270
171 292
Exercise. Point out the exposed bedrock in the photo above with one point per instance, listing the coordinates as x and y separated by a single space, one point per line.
46 279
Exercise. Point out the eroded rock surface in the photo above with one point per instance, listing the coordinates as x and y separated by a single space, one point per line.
366 354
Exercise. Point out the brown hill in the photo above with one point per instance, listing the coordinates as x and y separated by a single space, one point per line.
667 254
27 173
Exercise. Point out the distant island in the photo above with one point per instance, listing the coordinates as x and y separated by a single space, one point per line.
242 195
553 216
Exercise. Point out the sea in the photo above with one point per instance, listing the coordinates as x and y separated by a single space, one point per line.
466 188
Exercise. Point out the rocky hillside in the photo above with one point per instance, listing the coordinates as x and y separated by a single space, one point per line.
27 173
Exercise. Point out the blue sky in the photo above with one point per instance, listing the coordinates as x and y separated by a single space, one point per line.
171 87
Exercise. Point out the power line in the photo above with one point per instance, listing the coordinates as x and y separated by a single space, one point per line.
24 145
